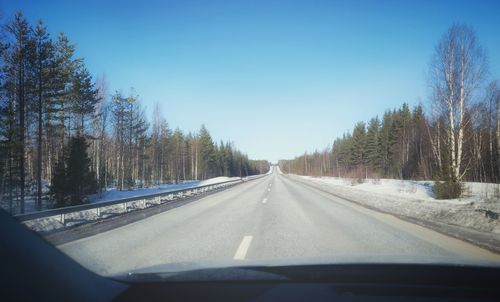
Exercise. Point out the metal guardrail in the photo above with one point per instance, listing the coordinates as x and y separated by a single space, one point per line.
147 201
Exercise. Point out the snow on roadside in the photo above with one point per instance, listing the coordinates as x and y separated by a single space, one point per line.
53 222
479 209
113 193
216 180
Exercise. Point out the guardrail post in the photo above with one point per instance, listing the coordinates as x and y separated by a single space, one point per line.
144 203
63 219
125 206
98 212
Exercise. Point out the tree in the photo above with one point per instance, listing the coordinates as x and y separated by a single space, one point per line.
492 102
456 71
58 187
43 61
207 153
358 152
80 180
401 126
100 134
16 57
84 97
372 145
73 179
58 119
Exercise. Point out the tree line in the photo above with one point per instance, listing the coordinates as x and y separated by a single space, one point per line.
457 140
61 129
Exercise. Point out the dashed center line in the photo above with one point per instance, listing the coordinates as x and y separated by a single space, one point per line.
264 200
269 190
241 252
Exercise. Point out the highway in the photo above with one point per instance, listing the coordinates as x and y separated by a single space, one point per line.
271 219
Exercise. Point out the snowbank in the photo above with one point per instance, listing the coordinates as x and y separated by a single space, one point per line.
216 180
114 193
479 208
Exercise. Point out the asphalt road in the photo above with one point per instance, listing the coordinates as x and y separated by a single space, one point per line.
270 219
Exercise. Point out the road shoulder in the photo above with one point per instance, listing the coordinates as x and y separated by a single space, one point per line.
487 240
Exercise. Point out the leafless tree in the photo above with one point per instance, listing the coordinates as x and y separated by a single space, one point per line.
457 71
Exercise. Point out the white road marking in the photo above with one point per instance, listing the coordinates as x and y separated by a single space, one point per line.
269 190
243 248
264 200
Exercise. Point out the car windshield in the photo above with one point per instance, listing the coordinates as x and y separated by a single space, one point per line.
170 136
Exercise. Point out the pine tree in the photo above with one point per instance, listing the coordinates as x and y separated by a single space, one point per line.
59 118
84 97
16 87
43 63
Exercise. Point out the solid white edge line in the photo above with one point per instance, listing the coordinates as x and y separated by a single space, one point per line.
241 252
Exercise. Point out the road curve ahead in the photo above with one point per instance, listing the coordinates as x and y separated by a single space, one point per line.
273 219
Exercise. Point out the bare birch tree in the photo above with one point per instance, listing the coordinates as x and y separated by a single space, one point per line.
457 71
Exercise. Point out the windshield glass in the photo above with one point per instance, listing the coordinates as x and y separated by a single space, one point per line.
172 136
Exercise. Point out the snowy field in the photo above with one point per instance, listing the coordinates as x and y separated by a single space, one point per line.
479 208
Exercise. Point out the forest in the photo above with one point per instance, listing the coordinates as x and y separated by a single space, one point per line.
456 139
63 135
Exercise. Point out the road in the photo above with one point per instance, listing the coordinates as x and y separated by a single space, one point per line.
272 218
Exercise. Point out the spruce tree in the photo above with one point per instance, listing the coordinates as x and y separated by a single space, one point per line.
207 152
358 144
372 145
80 180
73 179
58 187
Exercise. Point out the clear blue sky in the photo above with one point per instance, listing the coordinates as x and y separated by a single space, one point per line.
276 77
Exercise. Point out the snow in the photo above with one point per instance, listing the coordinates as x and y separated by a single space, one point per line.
478 209
114 193
216 180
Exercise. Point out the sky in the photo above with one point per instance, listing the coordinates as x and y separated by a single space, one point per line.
277 78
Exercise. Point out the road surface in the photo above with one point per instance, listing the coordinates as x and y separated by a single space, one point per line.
272 218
